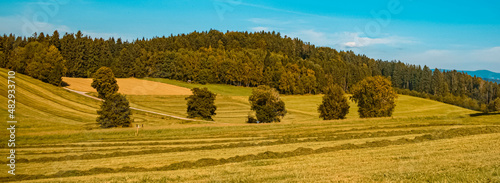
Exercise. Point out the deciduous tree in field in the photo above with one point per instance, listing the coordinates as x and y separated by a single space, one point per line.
375 97
105 82
115 112
201 104
115 109
334 105
267 104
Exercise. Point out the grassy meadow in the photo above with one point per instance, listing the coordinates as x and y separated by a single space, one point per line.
424 141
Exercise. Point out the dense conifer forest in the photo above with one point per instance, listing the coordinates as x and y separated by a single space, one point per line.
236 58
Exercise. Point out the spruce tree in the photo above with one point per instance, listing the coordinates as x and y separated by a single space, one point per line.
54 40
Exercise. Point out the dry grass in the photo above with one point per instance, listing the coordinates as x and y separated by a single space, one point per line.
475 159
53 125
130 86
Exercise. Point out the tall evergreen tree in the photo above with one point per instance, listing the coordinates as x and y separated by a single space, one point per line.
54 40
3 60
438 84
426 80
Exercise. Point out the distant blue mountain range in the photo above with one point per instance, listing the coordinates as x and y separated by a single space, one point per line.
484 74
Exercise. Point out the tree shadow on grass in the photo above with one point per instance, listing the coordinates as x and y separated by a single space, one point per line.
483 114
64 84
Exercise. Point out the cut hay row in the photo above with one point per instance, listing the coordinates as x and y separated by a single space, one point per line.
289 139
301 151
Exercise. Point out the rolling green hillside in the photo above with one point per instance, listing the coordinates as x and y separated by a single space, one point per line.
233 106
425 141
44 109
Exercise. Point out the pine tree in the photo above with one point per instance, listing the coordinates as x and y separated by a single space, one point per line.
439 86
3 60
54 40
426 80
334 104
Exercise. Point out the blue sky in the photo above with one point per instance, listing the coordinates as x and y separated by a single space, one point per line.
462 35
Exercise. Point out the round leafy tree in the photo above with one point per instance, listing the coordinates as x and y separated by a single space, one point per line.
267 104
201 104
334 105
114 112
105 82
375 97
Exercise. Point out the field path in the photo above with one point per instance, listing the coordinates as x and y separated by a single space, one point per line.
137 109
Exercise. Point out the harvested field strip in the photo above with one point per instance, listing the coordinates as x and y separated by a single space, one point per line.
148 143
452 133
284 140
65 149
130 86
134 150
273 131
151 160
417 162
277 132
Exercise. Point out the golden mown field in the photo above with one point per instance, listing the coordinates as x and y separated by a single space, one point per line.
130 86
425 141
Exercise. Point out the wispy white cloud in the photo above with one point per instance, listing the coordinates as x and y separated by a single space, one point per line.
314 37
258 29
105 35
390 47
476 59
347 40
100 34
268 21
490 55
23 26
278 9
355 40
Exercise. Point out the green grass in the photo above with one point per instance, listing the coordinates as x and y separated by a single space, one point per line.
219 89
302 108
233 105
424 141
